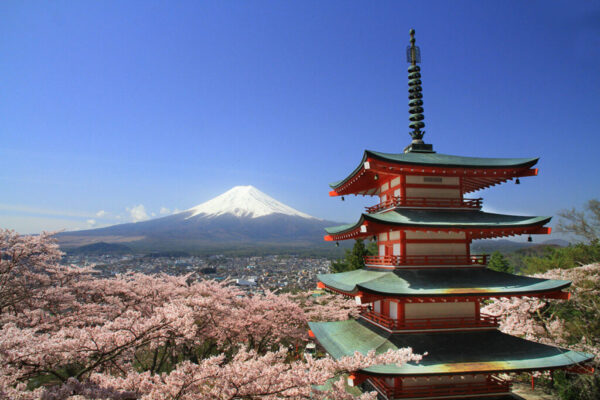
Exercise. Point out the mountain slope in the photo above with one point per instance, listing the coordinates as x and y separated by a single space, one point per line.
242 216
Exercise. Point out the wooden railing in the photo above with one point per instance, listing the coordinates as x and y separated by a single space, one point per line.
380 319
484 321
425 202
478 259
491 385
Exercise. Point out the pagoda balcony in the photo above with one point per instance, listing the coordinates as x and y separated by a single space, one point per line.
491 385
418 324
402 261
425 202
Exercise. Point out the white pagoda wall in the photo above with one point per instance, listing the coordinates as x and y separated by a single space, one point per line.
392 187
435 235
389 243
432 192
432 249
439 310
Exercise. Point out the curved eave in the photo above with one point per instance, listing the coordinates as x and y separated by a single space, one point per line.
447 353
454 219
346 282
440 282
446 160
559 361
347 231
392 162
518 291
371 224
335 185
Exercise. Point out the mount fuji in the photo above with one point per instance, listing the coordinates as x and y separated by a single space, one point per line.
242 217
243 202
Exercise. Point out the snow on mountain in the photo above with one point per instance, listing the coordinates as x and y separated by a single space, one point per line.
241 218
244 201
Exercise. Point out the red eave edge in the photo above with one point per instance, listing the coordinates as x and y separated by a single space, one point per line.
518 173
528 172
558 295
581 369
321 285
542 230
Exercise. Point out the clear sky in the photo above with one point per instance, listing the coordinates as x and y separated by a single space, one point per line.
111 111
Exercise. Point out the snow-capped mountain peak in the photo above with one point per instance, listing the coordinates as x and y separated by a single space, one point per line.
244 201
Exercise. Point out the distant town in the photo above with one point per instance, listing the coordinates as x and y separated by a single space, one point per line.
253 274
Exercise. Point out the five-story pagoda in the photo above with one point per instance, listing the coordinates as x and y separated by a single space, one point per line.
425 288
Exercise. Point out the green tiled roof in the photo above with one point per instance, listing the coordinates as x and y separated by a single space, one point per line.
450 160
442 160
443 219
447 353
439 282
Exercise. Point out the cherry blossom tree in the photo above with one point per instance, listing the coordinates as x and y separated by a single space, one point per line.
252 375
574 324
552 321
65 333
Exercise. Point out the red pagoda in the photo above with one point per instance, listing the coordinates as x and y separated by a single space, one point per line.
425 288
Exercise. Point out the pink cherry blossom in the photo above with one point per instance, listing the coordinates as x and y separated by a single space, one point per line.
533 319
156 336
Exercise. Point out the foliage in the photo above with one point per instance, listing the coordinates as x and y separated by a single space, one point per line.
65 333
574 324
499 263
354 259
584 224
576 387
563 258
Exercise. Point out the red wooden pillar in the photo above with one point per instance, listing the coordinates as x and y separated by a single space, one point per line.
397 386
402 246
401 315
468 244
403 187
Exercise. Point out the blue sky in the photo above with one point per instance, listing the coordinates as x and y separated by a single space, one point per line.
112 111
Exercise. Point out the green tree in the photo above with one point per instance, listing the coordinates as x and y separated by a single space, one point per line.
583 224
355 258
565 258
500 263
576 386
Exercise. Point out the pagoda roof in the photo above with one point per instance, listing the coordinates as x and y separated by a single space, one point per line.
451 166
432 219
426 282
489 351
448 160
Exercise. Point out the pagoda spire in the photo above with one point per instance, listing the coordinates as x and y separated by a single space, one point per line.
415 97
